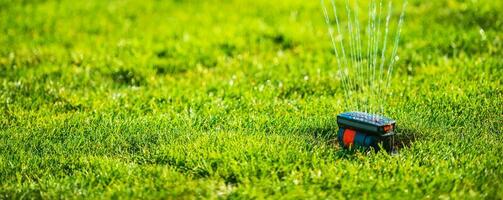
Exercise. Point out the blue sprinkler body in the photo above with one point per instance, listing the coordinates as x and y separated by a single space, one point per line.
359 129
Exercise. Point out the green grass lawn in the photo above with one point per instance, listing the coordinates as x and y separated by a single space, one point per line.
238 99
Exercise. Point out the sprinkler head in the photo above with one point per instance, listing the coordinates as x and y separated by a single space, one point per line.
359 129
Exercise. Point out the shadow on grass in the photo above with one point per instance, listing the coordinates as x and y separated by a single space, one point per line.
404 138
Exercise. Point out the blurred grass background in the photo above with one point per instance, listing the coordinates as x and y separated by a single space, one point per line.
237 99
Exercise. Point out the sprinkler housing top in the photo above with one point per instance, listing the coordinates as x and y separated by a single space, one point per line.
365 130
366 122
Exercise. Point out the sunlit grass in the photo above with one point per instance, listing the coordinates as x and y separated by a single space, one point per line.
150 99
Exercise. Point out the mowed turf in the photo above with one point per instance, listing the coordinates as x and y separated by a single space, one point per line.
238 99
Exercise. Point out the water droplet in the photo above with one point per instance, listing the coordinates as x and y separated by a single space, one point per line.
261 88
483 34
338 38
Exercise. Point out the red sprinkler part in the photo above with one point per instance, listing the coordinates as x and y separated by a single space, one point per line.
349 137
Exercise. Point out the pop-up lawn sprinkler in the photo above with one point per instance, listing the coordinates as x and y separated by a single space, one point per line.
363 130
365 65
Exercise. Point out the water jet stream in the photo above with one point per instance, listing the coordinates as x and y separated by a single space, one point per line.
365 72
